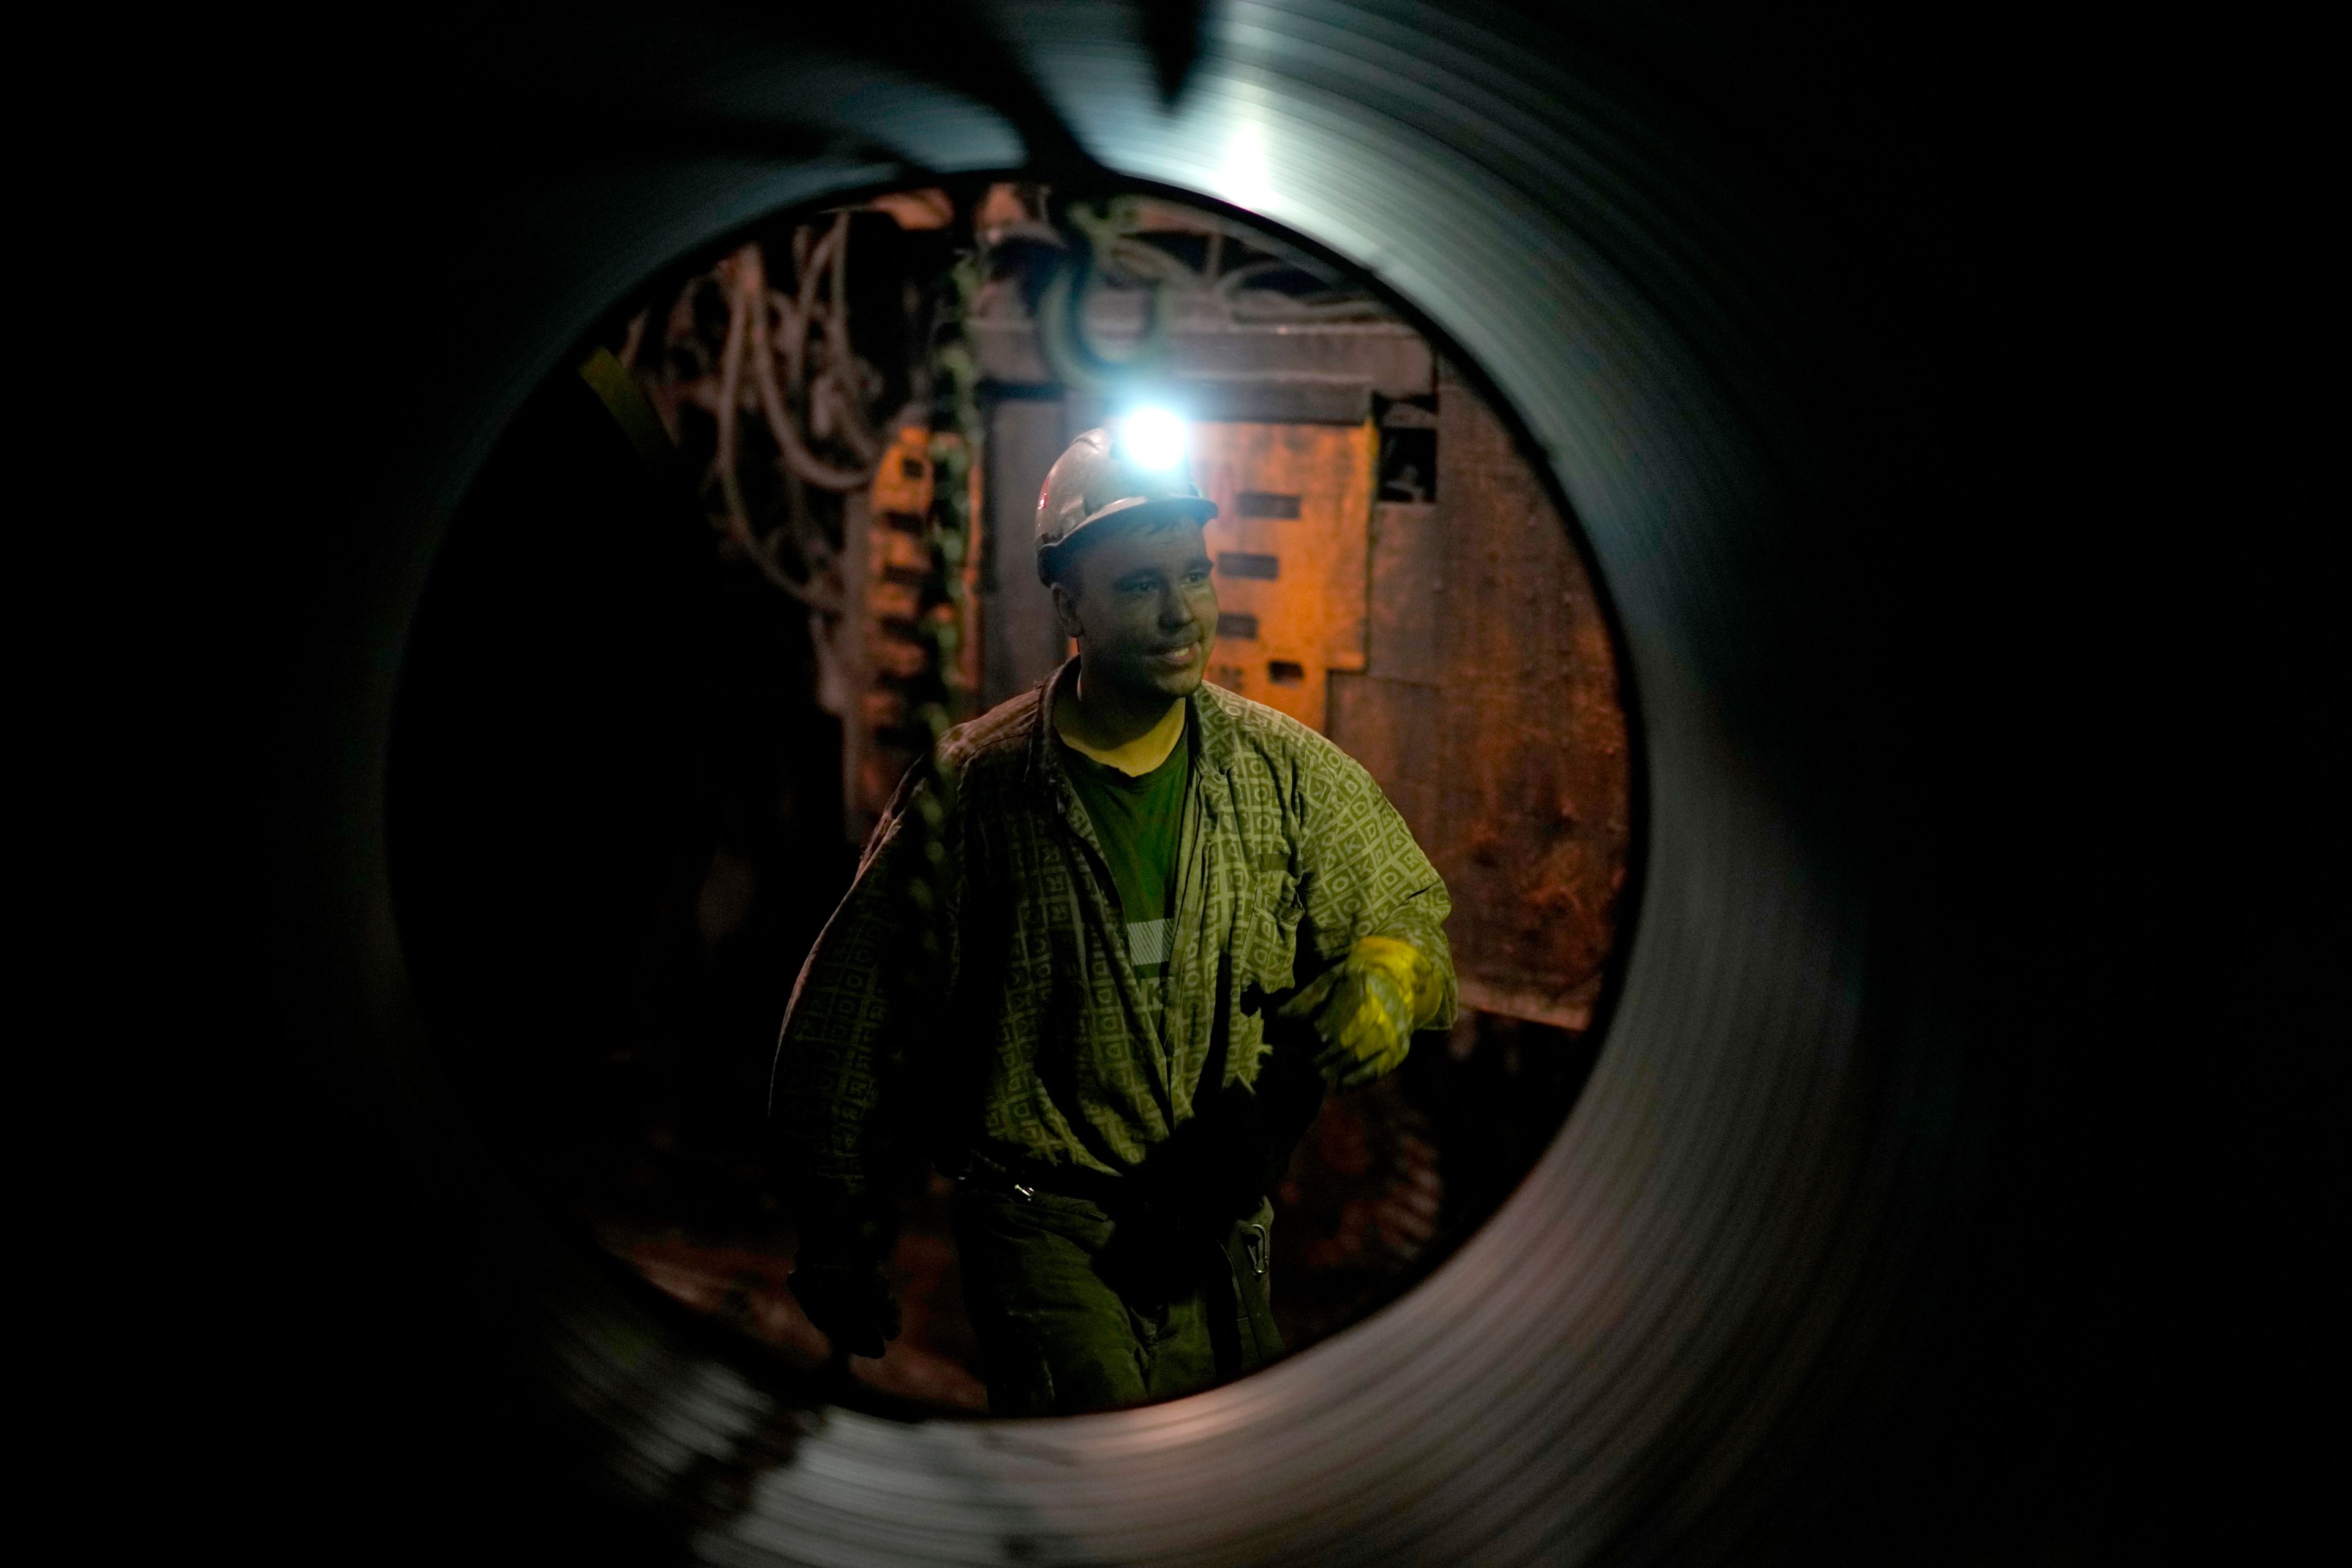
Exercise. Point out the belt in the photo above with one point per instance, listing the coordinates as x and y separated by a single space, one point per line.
1024 1179
1245 1248
1167 1195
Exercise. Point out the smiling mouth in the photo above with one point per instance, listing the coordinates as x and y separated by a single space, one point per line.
1178 655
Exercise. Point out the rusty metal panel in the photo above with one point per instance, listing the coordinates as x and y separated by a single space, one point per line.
1388 726
1513 769
1534 824
1533 875
1408 565
1291 535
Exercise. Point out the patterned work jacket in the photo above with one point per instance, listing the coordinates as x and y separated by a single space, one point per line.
1024 1031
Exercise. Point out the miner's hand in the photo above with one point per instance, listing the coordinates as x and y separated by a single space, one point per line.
1365 1008
850 1304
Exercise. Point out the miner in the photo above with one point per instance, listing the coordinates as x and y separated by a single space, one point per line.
1100 958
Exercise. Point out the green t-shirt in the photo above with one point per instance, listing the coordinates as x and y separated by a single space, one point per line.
1139 821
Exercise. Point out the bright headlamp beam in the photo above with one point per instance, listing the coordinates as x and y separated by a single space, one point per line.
1152 439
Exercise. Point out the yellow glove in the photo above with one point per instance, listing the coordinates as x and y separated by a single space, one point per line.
1366 1007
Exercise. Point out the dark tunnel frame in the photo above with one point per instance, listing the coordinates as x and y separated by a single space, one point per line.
768 1364
1863 1026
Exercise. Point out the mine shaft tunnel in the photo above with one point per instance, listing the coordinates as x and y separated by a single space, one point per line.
679 654
1690 1274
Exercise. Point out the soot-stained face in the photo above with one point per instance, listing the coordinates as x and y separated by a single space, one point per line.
1142 604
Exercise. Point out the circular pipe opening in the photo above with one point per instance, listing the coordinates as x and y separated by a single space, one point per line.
732 566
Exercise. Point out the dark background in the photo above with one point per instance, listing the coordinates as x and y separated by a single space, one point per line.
2049 270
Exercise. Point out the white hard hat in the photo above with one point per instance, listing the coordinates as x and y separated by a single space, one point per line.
1094 479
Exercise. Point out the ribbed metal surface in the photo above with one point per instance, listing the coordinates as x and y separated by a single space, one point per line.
1614 1368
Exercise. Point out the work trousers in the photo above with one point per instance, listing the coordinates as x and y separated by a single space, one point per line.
1079 1309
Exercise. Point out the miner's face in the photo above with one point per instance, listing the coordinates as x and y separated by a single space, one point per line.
1142 605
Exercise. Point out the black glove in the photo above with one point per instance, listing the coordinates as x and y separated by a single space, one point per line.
850 1304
